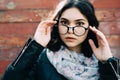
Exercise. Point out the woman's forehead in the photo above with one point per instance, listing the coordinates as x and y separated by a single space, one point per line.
73 14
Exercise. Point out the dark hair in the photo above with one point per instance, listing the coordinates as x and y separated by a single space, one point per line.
86 8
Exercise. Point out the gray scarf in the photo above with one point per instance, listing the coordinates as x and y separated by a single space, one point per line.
74 66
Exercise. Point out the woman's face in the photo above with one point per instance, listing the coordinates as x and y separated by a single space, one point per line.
73 37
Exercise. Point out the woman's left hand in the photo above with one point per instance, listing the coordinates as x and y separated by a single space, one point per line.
102 52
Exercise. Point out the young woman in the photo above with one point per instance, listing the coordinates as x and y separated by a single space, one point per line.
68 46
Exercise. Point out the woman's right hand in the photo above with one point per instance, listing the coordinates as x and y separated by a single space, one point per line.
43 32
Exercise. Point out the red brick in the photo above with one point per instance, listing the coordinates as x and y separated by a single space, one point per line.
116 51
114 40
110 28
27 4
23 15
17 28
9 53
12 41
108 14
106 3
3 65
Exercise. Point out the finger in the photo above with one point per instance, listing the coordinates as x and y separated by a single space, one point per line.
92 44
98 33
93 29
51 22
100 36
49 25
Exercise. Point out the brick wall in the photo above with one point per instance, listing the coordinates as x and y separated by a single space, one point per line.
19 19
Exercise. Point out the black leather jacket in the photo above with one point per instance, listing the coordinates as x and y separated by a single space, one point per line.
33 64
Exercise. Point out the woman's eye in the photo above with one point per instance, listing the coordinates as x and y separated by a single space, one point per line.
63 22
80 24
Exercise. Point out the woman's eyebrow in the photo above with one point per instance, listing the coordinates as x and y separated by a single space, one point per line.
80 20
75 20
64 19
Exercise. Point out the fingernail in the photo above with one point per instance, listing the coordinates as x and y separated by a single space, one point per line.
90 26
94 27
55 21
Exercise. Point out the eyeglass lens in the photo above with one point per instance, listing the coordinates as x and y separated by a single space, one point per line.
78 30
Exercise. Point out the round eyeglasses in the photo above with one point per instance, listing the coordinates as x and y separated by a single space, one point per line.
77 30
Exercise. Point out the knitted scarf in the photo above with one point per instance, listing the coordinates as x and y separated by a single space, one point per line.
74 66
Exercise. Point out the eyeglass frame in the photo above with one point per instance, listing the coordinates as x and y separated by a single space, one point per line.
68 28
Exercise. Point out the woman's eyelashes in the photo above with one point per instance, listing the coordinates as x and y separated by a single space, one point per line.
80 24
64 23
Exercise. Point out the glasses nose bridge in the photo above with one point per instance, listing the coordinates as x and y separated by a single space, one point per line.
70 29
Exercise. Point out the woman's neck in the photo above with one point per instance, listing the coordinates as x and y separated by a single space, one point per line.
76 49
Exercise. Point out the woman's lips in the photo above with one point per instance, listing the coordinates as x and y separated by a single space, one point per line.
70 39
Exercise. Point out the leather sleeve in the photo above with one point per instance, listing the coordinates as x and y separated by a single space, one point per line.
20 67
109 70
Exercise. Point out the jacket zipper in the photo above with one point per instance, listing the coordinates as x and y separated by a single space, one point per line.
19 56
116 72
